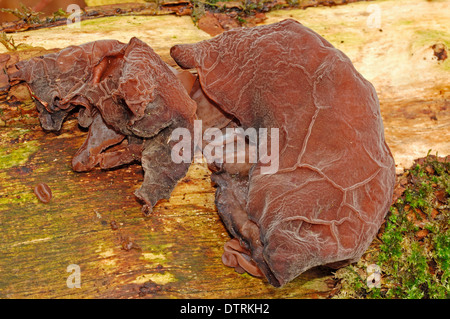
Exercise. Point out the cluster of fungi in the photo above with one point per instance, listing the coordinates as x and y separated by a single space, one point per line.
335 177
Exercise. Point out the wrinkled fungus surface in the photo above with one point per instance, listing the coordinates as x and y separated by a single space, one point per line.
128 97
335 180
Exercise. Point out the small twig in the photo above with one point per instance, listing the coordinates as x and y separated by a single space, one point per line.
8 42
26 14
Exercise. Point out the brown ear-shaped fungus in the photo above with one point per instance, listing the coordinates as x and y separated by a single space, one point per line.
335 177
126 91
54 78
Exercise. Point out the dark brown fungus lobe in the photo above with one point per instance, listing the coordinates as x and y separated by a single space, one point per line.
54 78
238 257
43 192
114 225
334 181
4 79
100 136
439 51
129 99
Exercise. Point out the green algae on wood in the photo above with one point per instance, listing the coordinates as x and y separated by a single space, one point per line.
16 155
427 38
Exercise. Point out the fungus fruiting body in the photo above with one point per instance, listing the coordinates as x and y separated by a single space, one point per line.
128 96
334 183
323 201
43 192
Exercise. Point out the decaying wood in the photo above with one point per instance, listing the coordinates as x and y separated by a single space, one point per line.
94 221
178 247
93 12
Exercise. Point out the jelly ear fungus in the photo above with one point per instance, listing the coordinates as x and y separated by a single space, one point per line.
128 97
334 184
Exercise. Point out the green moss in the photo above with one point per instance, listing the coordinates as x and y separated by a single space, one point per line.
16 155
413 249
24 197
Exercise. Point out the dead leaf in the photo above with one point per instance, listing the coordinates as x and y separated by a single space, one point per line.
422 234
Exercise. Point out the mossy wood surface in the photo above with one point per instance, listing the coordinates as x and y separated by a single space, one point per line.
94 220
